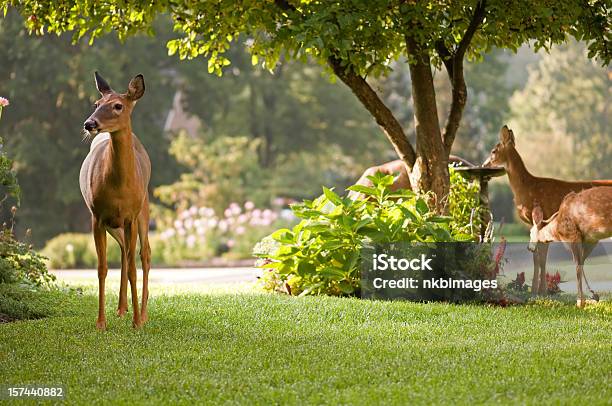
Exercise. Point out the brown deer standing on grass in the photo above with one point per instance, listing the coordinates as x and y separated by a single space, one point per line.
582 220
114 181
529 190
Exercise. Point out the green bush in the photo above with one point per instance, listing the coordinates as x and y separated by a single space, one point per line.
20 264
18 302
321 254
464 204
76 250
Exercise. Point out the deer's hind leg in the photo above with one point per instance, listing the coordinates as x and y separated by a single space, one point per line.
99 234
131 236
542 257
145 256
119 236
535 282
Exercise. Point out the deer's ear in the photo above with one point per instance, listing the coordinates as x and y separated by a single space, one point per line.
101 84
506 136
136 88
537 216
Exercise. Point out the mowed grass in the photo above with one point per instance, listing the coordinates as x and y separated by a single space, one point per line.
269 349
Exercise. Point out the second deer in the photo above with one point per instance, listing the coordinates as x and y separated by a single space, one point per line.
527 189
582 220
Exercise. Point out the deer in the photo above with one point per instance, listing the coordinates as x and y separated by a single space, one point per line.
530 190
583 220
114 182
399 170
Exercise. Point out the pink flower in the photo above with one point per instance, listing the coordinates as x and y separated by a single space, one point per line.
223 225
249 205
235 209
231 243
4 102
240 230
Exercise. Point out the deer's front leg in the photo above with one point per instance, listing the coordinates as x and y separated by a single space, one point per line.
580 300
577 253
535 282
131 234
99 233
542 257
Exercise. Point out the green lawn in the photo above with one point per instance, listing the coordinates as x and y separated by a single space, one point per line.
255 348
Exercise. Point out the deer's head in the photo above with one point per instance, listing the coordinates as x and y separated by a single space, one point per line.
113 110
541 230
500 153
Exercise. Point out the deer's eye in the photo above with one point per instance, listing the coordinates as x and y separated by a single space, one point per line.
118 106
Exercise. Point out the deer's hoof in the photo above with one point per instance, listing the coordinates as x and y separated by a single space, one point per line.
580 303
144 318
137 323
121 312
101 325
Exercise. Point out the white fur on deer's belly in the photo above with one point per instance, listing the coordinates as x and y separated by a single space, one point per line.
101 137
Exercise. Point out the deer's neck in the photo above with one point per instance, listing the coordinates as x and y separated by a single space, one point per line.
518 175
121 163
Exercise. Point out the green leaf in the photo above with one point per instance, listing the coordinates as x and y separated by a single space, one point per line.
362 223
283 235
421 206
331 245
366 190
440 219
332 273
332 196
346 287
305 268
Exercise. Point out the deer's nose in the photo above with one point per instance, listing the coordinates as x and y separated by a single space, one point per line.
90 124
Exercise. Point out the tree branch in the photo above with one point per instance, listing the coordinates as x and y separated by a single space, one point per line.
383 116
453 63
372 102
446 57
477 18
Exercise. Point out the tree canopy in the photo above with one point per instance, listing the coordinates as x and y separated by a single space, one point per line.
356 40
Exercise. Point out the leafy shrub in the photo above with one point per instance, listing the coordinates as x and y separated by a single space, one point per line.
22 270
464 204
78 250
321 254
19 263
8 179
18 302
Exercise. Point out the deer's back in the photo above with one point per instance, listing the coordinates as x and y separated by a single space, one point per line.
588 212
549 193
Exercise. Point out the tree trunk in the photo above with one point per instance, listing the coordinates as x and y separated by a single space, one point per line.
381 113
430 170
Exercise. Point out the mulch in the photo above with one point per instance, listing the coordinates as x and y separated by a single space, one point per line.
5 319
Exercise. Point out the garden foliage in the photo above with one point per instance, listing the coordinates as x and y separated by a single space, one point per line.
321 254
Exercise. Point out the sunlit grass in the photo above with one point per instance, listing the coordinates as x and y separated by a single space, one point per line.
221 346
